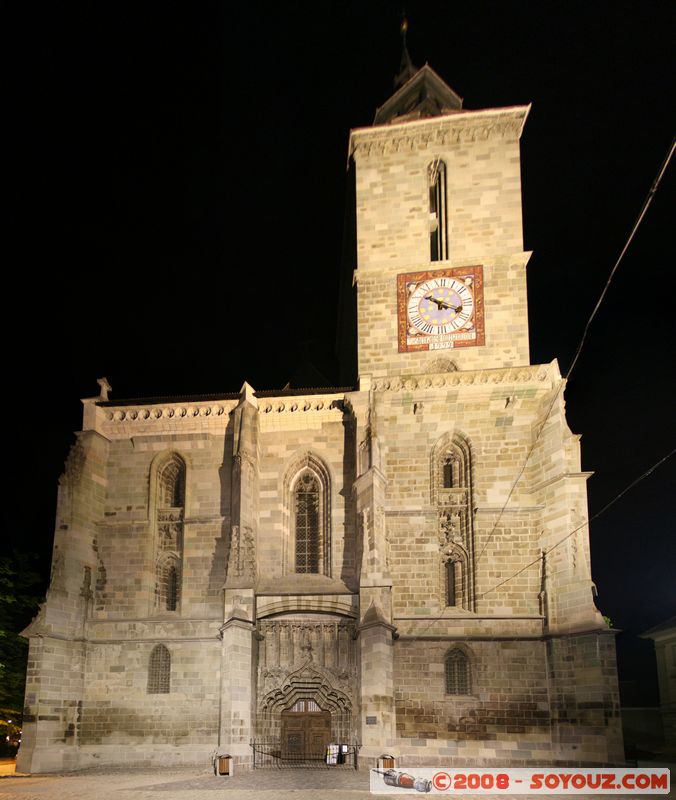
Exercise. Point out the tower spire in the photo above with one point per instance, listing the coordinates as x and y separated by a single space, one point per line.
406 68
418 93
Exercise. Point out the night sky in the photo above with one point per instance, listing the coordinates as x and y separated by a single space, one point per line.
177 185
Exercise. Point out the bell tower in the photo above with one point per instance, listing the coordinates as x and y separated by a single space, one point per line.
441 270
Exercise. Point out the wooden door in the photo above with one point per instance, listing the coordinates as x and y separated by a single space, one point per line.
306 731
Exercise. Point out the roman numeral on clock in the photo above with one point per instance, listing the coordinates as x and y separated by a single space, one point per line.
421 325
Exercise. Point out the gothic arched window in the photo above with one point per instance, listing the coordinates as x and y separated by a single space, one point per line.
436 182
307 510
171 483
169 515
307 502
451 492
451 468
457 671
171 583
448 478
167 582
159 670
451 583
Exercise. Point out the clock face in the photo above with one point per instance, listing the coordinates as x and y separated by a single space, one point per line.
440 305
440 309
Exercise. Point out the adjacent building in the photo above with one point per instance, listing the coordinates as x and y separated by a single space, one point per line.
664 639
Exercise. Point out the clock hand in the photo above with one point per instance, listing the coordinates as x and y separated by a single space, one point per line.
453 308
433 299
443 304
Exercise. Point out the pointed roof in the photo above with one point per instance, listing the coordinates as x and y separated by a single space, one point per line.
424 94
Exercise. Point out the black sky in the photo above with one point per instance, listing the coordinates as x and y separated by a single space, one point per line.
168 161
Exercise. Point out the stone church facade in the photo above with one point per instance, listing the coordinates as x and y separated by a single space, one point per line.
403 564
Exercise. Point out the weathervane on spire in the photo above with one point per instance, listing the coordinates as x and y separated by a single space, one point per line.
406 68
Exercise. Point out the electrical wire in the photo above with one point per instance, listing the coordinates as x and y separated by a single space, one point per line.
639 219
522 470
584 524
644 208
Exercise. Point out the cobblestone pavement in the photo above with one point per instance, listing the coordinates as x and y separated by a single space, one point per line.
182 784
186 784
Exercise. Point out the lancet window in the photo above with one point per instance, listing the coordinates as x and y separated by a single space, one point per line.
451 583
454 577
457 672
172 588
171 483
169 519
451 467
448 479
436 181
309 517
307 499
452 495
159 670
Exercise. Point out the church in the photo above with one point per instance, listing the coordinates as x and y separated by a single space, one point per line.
401 565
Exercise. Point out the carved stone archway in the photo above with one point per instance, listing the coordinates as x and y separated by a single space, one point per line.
309 682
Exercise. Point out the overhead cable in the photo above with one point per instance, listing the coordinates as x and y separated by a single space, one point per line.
586 522
566 537
639 219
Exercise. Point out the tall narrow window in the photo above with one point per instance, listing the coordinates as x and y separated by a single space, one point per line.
436 181
159 670
451 491
169 516
307 516
457 673
172 588
448 473
171 484
308 538
450 583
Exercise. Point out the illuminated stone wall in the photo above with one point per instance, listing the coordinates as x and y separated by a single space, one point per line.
448 467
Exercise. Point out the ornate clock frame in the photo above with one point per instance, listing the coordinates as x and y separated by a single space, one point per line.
413 340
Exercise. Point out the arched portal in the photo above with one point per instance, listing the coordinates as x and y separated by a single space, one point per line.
305 711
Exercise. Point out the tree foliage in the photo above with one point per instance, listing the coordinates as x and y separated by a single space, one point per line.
18 604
